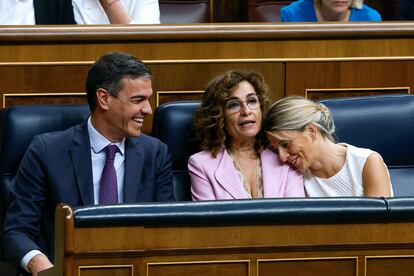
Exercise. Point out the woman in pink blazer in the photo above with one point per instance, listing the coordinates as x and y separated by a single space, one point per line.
234 163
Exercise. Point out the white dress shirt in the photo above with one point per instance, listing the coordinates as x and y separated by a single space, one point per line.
98 154
17 12
141 11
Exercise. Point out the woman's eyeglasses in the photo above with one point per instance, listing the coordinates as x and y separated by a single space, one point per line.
234 106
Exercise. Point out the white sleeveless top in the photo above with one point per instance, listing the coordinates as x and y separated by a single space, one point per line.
347 182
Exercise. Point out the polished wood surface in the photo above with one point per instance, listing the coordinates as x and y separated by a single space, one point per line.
377 76
299 249
345 266
49 64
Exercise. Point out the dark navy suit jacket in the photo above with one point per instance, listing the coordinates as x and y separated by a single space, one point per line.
53 12
57 168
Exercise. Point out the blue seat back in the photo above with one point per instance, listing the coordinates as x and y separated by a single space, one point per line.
384 124
19 124
172 125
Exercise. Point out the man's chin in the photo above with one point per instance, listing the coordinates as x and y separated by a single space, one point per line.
135 133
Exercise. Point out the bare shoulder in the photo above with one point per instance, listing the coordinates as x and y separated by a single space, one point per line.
375 176
375 159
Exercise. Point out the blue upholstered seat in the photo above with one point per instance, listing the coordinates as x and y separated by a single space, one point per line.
172 125
384 124
19 125
239 212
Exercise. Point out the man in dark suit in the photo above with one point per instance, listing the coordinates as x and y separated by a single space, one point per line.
69 166
53 12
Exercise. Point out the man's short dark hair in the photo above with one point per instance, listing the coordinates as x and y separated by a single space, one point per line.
109 70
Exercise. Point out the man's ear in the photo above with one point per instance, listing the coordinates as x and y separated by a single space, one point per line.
102 98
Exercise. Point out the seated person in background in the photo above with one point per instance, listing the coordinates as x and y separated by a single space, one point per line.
406 9
104 160
30 12
234 163
116 11
301 132
328 10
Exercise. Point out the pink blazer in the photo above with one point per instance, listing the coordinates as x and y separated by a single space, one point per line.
216 178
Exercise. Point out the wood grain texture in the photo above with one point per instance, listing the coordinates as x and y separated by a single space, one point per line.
390 265
300 249
292 57
311 266
375 75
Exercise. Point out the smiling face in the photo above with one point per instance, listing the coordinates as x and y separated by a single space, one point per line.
336 6
125 112
243 125
293 147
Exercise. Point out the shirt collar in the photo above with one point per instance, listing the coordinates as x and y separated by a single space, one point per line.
99 142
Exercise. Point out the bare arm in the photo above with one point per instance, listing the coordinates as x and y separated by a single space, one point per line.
116 12
375 177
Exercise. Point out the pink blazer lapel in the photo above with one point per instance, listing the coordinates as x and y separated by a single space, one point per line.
226 176
270 174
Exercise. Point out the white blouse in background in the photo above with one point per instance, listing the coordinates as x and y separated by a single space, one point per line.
17 12
141 11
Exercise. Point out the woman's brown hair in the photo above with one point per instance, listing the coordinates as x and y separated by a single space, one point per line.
208 122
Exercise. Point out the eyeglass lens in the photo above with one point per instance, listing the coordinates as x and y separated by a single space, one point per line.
235 105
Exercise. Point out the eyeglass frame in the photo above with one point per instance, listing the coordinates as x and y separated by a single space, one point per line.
243 102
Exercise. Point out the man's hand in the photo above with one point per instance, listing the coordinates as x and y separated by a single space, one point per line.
38 263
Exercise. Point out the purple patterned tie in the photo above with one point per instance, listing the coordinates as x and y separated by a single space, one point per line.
108 193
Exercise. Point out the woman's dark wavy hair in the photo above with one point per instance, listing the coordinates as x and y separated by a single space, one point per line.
208 122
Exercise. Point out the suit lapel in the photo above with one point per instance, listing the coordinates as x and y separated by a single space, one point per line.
269 173
134 160
226 176
82 163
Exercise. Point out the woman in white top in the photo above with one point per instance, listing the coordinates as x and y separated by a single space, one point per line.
301 131
116 11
